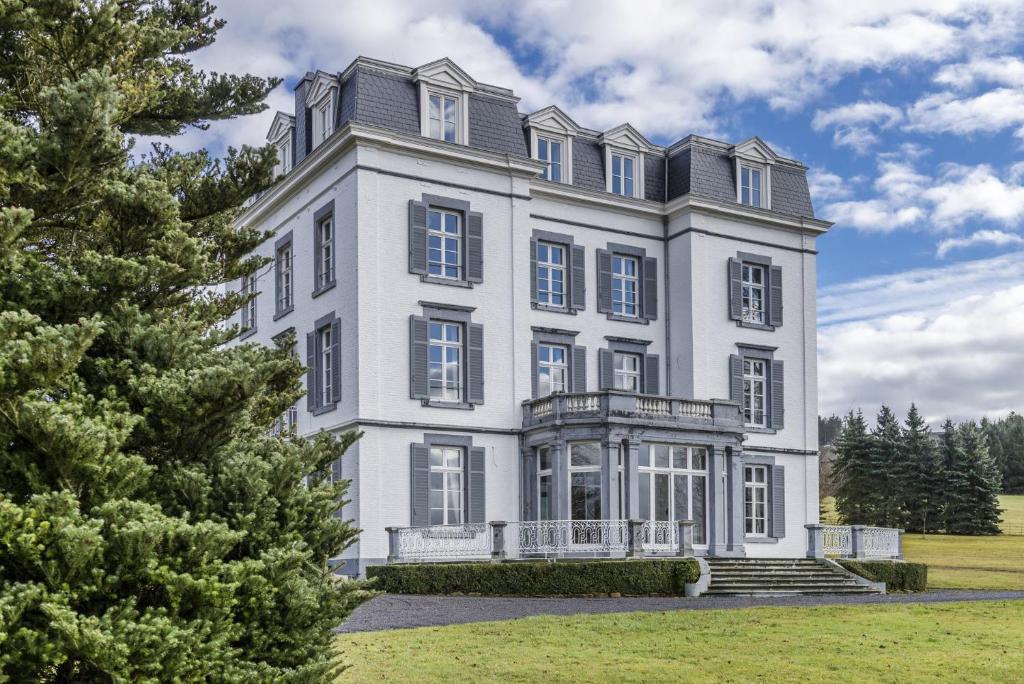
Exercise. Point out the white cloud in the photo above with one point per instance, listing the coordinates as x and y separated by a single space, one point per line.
998 238
990 112
825 185
1007 71
947 338
876 113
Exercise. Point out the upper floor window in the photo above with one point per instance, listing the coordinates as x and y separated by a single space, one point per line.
627 372
753 298
285 424
444 117
623 174
750 186
624 285
325 345
249 312
552 369
550 151
325 257
545 493
284 156
445 361
550 274
446 490
444 244
325 120
755 377
285 296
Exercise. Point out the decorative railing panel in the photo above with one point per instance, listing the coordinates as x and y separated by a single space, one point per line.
881 542
624 404
444 542
853 541
582 403
660 536
567 537
654 406
837 540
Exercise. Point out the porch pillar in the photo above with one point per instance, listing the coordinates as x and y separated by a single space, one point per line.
528 492
857 541
632 472
636 539
815 541
737 529
560 478
392 543
685 547
497 540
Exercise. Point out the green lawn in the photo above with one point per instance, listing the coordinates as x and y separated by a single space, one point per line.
979 642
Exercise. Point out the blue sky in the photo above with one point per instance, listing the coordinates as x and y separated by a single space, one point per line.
908 113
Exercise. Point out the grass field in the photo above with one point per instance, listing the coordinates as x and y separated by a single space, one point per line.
968 642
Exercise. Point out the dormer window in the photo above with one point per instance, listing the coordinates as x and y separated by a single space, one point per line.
284 156
623 170
754 161
444 117
322 93
550 151
551 135
445 90
323 121
280 136
751 188
625 152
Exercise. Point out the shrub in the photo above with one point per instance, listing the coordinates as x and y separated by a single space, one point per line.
897 575
666 577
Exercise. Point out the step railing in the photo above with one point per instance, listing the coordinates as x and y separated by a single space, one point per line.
854 541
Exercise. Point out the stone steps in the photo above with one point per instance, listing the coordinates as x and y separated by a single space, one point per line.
771 577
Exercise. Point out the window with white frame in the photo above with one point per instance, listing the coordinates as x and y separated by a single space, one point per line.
585 481
552 369
673 483
750 185
325 230
249 311
545 494
445 357
444 244
755 377
285 295
623 174
443 117
752 293
550 274
446 491
550 151
755 501
625 285
286 423
325 121
284 156
325 347
626 372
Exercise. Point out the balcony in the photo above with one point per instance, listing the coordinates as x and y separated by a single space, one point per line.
615 405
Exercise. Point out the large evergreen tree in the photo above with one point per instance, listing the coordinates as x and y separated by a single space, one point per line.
853 473
886 454
919 482
1006 443
149 526
955 464
980 486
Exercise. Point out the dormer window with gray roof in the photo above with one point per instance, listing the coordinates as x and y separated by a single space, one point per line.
444 101
321 98
551 138
754 161
282 137
625 152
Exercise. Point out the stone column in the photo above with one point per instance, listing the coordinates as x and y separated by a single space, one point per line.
392 543
734 459
497 540
685 547
560 478
815 541
899 544
857 541
636 539
632 472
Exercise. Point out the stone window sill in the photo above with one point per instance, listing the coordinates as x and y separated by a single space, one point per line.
760 540
320 290
247 333
754 326
537 306
326 408
284 312
445 281
759 430
448 405
628 319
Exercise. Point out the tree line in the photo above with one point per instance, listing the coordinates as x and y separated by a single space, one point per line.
906 476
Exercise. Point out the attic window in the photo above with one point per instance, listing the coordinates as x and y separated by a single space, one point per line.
550 151
623 174
751 185
284 155
323 121
444 117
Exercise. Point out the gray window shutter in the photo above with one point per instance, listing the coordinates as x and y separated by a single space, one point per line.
535 369
775 296
606 368
736 379
778 502
735 289
650 288
318 265
336 360
474 247
778 396
604 281
417 237
533 271
477 495
310 371
579 368
419 343
578 284
475 383
652 362
420 485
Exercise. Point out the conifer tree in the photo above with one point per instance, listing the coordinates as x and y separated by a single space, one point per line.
886 453
150 528
918 479
981 485
853 471
956 507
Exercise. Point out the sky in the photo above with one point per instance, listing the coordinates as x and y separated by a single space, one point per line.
908 113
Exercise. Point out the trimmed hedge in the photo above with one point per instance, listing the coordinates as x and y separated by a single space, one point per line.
664 577
897 575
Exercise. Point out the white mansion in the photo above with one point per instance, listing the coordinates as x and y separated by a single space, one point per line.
534 321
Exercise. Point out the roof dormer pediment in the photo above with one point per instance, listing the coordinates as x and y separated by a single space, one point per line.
321 86
756 150
627 137
553 120
445 73
281 126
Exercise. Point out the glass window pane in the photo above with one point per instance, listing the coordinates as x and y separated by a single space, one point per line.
545 458
678 457
680 485
644 480
661 497
661 456
699 458
586 454
435 460
699 508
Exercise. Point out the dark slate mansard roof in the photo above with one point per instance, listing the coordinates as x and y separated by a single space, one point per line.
699 166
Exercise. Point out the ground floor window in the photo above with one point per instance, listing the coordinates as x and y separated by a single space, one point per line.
673 485
585 480
446 467
545 496
755 500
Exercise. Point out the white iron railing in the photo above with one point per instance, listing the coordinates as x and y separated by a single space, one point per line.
837 540
853 541
660 536
445 542
567 537
881 542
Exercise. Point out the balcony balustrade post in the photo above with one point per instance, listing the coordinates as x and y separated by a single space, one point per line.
899 544
497 540
815 541
857 541
636 539
393 543
685 548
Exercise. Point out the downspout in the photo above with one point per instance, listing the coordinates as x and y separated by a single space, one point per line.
512 289
668 288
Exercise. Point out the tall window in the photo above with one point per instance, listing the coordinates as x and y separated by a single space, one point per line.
445 361
755 500
550 274
444 244
626 372
550 151
325 119
446 486
552 369
284 259
585 480
622 174
444 117
673 486
750 186
326 256
545 496
754 380
624 285
284 156
286 422
327 362
753 293
249 312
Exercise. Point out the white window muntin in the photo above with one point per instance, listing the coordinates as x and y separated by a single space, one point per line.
249 312
753 292
284 155
668 462
755 501
446 486
551 274
326 256
624 174
285 261
752 186
327 361
552 369
444 244
550 151
625 285
626 372
545 493
755 378
443 116
585 481
323 120
445 361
